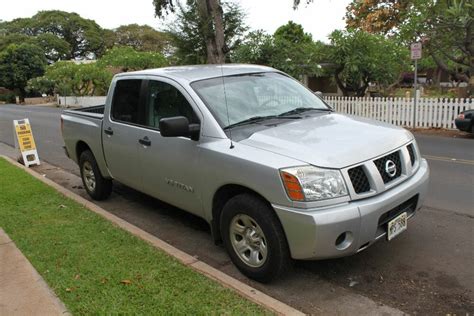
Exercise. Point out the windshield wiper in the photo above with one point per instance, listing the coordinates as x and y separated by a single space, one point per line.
255 119
303 109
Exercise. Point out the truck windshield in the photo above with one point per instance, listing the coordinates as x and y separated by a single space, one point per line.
256 95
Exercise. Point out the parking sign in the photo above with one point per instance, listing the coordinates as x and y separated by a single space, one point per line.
415 50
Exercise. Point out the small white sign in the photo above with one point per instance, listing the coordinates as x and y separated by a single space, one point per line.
415 51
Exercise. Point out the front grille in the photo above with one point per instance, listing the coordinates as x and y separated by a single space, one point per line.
359 179
411 152
408 206
381 166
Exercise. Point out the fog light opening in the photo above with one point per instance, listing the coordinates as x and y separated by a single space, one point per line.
344 240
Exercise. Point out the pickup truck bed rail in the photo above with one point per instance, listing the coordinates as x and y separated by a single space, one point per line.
91 111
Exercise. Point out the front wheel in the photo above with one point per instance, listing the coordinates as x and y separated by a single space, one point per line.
98 187
254 238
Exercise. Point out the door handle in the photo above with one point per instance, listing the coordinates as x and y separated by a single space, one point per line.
145 141
109 131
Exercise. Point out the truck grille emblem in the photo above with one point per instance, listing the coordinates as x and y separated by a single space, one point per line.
390 168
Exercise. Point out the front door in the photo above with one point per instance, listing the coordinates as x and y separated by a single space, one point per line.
170 164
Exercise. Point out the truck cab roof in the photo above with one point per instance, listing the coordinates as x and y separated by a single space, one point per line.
199 72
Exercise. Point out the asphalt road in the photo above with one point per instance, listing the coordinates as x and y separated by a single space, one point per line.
426 270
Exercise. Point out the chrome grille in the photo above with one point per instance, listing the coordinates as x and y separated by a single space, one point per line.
371 177
381 163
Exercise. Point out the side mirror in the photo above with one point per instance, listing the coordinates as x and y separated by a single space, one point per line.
318 94
178 126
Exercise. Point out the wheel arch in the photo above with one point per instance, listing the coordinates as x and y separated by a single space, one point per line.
221 196
81 146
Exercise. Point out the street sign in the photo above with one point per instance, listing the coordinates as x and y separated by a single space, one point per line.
415 50
25 142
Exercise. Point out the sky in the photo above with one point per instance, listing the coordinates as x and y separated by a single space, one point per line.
319 18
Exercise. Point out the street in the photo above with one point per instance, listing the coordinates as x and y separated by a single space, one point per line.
426 270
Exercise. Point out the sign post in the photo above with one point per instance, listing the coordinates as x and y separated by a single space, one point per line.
25 142
415 52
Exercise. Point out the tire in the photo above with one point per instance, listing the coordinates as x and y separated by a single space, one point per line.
98 187
262 234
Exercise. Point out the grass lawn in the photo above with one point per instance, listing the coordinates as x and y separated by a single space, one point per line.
97 268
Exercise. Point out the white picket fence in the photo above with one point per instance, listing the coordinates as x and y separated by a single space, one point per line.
73 101
430 112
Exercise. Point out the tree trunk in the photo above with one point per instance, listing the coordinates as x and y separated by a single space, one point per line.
218 17
207 30
340 84
21 95
212 16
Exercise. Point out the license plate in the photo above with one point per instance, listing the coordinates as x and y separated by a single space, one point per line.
397 225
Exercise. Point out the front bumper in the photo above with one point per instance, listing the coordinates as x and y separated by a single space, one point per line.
312 233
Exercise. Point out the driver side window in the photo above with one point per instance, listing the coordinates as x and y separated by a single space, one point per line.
164 100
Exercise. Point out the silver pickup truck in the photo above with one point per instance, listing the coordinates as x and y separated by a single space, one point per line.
270 166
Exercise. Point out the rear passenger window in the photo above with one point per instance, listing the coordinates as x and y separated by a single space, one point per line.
126 101
163 100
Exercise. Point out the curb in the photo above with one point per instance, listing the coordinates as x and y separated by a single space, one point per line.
227 281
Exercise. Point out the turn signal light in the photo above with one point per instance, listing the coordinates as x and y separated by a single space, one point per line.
292 186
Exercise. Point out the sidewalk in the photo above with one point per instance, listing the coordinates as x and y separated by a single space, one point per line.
22 290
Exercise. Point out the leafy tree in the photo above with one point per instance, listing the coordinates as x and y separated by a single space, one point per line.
14 38
295 52
128 59
445 27
66 77
109 38
361 58
290 49
141 38
53 47
207 29
41 85
293 33
257 48
18 64
377 16
83 36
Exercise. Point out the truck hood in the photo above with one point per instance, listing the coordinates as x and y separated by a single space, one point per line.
330 140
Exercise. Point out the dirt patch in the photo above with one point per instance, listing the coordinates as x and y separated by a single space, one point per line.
442 132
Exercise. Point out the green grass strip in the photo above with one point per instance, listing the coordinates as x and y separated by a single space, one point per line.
97 268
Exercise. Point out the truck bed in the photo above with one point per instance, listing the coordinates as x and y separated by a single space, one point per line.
84 125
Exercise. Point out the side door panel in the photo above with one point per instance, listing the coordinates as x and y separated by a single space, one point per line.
121 133
171 171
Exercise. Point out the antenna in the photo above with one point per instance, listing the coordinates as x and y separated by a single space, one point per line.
226 107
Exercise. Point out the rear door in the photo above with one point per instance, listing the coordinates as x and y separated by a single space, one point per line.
170 164
121 132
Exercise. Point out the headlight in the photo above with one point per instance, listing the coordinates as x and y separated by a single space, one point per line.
308 183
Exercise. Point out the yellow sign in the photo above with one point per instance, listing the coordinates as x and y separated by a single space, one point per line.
25 136
25 142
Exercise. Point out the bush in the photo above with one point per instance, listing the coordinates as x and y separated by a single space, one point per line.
8 97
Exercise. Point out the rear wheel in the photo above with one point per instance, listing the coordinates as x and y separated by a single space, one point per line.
254 238
98 187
